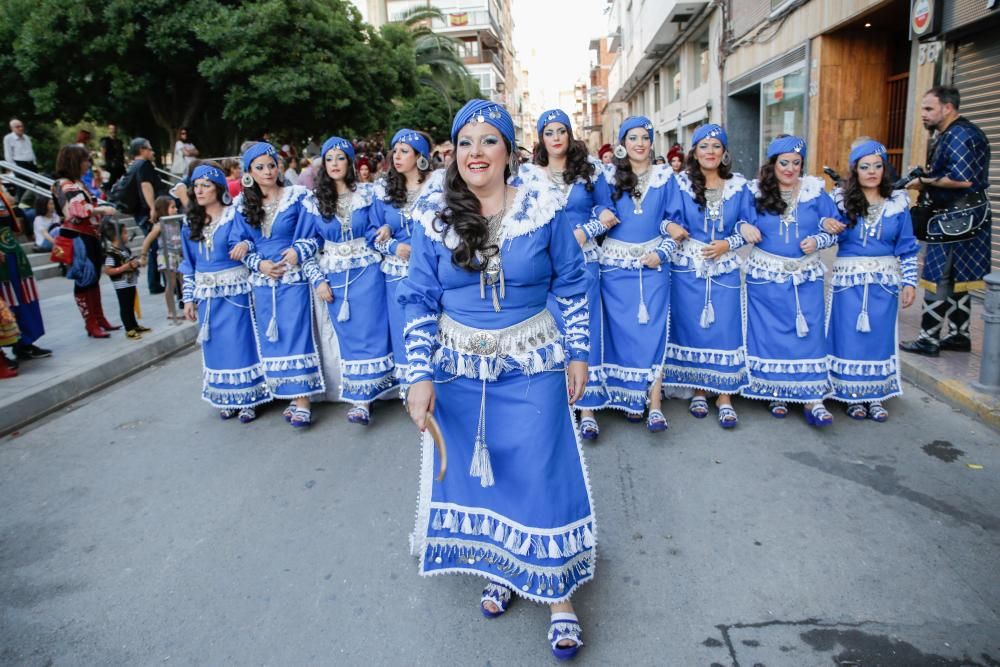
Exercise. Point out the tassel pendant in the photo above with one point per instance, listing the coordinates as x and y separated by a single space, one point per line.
481 466
203 333
863 325
643 316
496 301
707 315
482 284
345 311
801 327
272 330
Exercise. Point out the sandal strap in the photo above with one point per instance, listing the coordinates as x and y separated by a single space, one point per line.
656 415
301 415
589 424
498 594
565 625
358 410
819 411
726 412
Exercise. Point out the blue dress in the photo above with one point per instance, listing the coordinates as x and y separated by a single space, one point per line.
394 268
873 262
232 376
340 252
578 210
785 305
282 308
636 300
522 515
705 348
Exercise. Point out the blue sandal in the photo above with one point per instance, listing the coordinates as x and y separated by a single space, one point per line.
289 411
656 422
589 429
499 595
728 417
359 415
227 414
698 407
247 415
818 416
857 411
301 417
565 626
779 409
877 412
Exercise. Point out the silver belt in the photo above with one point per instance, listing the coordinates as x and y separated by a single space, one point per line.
761 259
531 334
853 266
691 248
624 251
233 276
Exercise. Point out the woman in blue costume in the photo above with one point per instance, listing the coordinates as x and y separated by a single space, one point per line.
635 276
408 177
875 271
513 508
217 293
564 162
786 343
345 272
261 235
705 349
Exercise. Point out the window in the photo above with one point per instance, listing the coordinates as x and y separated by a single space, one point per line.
673 81
468 48
657 99
699 75
784 99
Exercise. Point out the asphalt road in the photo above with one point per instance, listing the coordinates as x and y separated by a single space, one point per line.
139 529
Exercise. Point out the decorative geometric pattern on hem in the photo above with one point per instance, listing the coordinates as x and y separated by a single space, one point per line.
247 397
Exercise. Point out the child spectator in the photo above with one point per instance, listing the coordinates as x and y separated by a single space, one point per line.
123 269
46 224
164 206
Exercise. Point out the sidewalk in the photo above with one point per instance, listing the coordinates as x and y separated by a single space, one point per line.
950 376
80 365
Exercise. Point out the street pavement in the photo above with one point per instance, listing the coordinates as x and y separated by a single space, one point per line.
139 529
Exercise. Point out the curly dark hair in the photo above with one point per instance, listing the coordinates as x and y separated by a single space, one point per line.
462 212
855 202
697 178
196 215
395 182
326 189
625 178
253 203
577 164
769 200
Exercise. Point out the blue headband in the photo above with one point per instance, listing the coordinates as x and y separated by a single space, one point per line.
213 174
870 147
414 139
787 145
633 122
553 116
710 130
481 111
340 144
256 150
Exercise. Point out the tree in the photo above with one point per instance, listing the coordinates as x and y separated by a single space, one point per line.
430 111
223 68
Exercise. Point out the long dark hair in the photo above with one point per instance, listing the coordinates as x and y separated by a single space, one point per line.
395 182
69 162
855 202
253 202
462 213
196 215
577 164
326 189
697 177
770 200
625 178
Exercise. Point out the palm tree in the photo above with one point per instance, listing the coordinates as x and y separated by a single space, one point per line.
438 64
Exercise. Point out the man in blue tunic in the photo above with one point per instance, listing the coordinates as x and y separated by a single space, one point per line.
959 164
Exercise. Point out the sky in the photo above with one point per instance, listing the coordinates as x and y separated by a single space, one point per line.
552 39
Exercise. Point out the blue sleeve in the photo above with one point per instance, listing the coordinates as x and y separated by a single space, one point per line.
673 206
907 249
239 232
744 215
370 227
825 208
189 251
602 196
420 295
570 284
305 245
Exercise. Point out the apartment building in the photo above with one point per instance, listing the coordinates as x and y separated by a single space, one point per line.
665 66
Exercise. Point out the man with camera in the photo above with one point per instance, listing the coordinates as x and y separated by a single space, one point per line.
953 216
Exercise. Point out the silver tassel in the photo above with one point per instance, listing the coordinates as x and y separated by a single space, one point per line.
272 326
863 325
801 327
204 333
707 315
481 466
643 315
344 313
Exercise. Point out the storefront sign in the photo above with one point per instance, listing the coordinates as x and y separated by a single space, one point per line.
925 18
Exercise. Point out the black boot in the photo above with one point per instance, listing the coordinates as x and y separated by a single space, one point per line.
924 346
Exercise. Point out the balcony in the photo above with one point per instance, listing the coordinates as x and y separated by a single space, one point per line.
482 22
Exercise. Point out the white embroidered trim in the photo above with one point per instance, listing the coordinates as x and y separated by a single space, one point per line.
810 187
850 271
702 356
863 367
688 253
733 186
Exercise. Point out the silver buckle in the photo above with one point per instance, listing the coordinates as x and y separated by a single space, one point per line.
635 251
790 266
344 250
483 343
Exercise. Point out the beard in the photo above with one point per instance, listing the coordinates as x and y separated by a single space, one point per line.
929 125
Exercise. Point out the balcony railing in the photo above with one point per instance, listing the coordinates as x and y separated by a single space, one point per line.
467 20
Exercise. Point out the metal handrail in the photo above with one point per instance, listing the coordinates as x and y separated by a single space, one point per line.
175 179
17 169
25 185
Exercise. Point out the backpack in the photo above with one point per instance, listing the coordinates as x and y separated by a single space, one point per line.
124 194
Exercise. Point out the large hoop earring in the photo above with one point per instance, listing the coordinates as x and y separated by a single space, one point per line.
246 180
620 152
514 163
727 159
227 198
422 163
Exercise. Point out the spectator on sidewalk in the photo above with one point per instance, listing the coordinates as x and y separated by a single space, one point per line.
184 151
9 335
150 186
307 177
113 154
81 225
292 172
958 166
164 206
17 284
17 148
123 269
231 167
46 224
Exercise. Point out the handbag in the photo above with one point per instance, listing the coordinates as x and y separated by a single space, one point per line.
959 222
62 250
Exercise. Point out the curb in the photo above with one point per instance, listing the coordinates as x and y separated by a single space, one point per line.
51 397
983 407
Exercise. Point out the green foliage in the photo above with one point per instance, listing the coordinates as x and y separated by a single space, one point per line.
430 111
